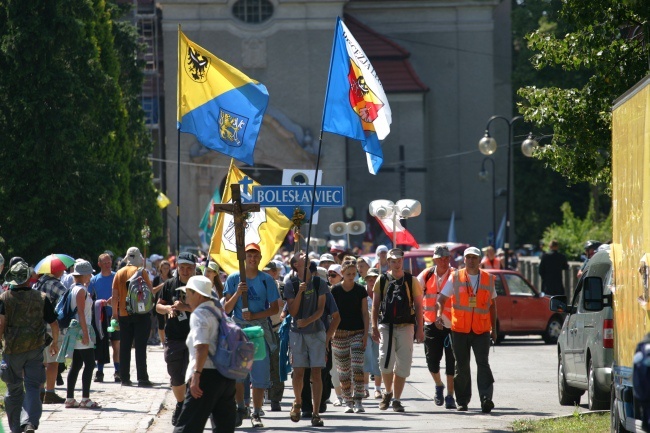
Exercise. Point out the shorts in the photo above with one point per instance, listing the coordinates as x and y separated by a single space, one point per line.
260 376
113 336
177 357
401 353
47 358
308 350
371 358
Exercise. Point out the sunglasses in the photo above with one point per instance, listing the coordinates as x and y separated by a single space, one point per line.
332 275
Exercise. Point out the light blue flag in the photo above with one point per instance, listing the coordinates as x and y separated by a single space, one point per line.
501 233
451 234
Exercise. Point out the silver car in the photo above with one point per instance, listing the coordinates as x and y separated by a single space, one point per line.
586 344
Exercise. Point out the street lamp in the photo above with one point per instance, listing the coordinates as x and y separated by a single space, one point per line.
403 209
347 229
482 175
488 145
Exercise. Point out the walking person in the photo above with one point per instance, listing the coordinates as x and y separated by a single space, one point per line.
207 392
438 341
307 337
350 339
83 349
173 305
371 354
276 391
23 315
164 274
490 261
473 323
262 294
396 304
550 269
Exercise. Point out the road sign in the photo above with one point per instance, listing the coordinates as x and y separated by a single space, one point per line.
289 197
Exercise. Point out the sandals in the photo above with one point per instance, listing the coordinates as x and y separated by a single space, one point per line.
295 412
89 404
316 421
71 403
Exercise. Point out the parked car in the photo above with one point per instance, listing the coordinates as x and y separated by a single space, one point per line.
586 345
522 309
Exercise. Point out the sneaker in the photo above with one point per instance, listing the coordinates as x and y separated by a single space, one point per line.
127 382
377 394
449 402
29 428
117 378
487 405
316 421
240 415
397 406
256 420
358 407
52 398
439 398
338 401
462 408
295 412
275 406
145 384
349 407
366 393
99 377
385 400
177 412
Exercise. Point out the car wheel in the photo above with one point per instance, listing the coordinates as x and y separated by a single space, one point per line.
615 419
553 330
568 395
597 399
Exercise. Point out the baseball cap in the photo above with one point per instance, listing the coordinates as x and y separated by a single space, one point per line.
83 267
395 253
472 251
213 266
253 246
199 284
381 249
327 257
336 269
372 272
187 258
270 266
441 251
155 257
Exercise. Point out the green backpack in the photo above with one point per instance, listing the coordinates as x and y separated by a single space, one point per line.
139 297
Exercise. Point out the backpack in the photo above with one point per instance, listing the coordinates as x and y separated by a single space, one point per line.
234 355
396 307
139 298
64 311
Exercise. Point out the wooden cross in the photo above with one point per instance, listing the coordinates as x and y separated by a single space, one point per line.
238 210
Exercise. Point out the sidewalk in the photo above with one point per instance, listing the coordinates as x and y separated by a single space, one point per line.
124 409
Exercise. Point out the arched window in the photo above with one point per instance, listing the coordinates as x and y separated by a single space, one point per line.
253 11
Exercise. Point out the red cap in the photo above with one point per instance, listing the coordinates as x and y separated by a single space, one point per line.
252 246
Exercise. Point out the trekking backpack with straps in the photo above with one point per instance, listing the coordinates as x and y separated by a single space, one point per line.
234 355
397 305
139 297
64 311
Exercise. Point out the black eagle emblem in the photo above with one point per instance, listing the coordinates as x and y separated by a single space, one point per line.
197 65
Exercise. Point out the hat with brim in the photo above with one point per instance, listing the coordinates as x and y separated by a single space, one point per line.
372 272
270 266
18 274
213 266
83 267
327 257
186 258
395 253
253 247
336 269
441 251
201 285
472 251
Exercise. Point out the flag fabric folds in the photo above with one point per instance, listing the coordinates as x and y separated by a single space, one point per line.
209 220
451 234
498 243
355 103
267 228
403 236
217 103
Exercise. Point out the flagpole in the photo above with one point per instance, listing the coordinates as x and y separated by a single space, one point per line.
178 153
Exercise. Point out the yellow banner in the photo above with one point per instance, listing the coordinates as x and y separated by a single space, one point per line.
266 228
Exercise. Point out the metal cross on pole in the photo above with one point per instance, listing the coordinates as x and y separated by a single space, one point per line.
238 210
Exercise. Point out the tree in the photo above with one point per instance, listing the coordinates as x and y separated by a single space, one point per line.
72 146
607 43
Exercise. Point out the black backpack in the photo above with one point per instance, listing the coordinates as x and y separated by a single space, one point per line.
397 306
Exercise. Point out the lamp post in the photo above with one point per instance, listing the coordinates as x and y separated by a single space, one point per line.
488 145
403 209
482 175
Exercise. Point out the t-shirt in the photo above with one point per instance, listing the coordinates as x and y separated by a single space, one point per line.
262 292
308 305
350 304
330 309
204 329
86 310
176 328
101 287
119 283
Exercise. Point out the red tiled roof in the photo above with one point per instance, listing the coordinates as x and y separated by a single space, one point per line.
389 59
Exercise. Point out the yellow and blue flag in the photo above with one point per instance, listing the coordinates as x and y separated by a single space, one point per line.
355 103
267 228
217 103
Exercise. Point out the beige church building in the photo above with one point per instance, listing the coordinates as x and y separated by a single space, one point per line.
444 65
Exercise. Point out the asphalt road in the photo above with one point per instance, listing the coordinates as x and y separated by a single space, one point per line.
526 388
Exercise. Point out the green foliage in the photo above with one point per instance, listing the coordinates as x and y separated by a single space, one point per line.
607 42
574 232
73 141
577 423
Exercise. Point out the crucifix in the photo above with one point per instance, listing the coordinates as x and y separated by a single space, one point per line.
238 210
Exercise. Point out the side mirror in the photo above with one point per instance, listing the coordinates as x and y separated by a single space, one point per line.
592 294
558 304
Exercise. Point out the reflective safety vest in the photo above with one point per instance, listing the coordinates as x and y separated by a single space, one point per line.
466 318
431 291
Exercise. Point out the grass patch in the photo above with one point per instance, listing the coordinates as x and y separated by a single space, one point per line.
577 423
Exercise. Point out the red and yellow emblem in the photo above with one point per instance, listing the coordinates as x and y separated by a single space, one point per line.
362 99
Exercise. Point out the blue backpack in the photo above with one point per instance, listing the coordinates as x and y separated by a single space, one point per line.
64 311
234 355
